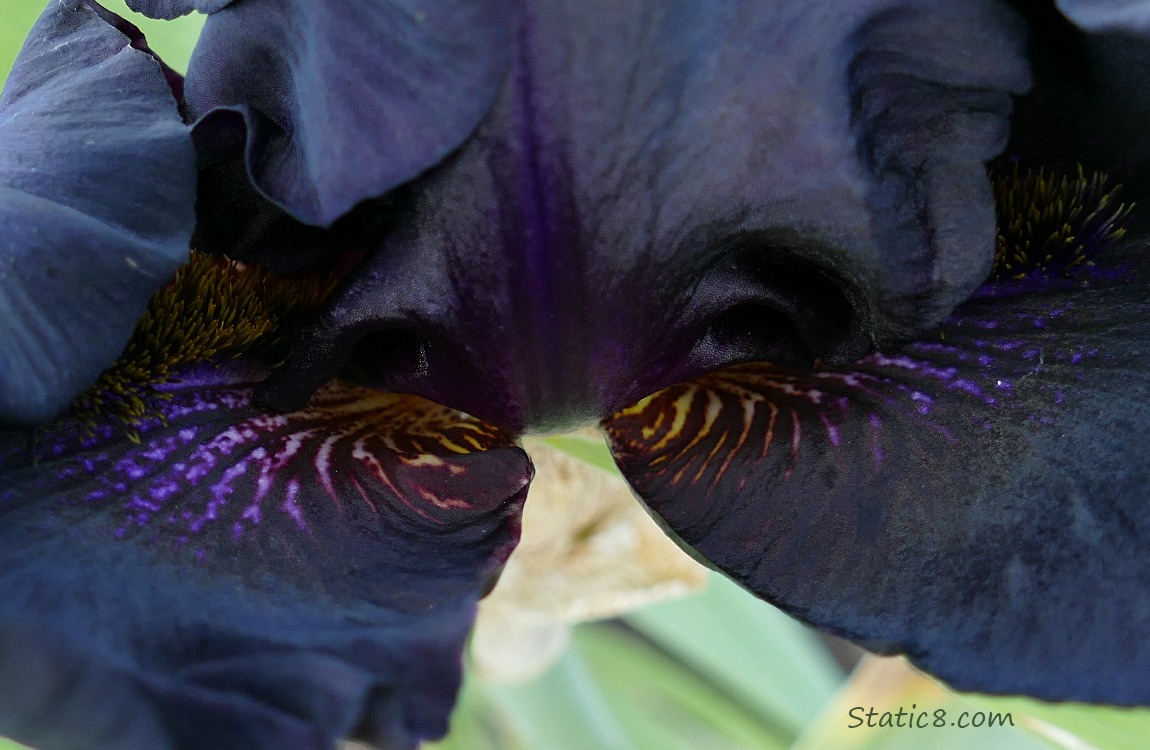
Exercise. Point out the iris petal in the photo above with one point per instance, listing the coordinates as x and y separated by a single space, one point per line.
852 139
242 579
343 101
97 184
1117 15
976 500
169 9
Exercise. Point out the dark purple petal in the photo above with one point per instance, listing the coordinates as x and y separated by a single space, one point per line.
241 579
657 177
37 672
975 500
1108 15
234 219
345 100
169 9
97 184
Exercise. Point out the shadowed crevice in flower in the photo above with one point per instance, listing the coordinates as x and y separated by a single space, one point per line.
97 180
243 579
1091 94
758 156
342 101
236 221
974 500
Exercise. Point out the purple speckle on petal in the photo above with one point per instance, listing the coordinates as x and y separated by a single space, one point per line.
292 507
252 513
968 386
877 453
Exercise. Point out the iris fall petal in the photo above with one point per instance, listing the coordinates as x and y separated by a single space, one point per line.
241 579
976 501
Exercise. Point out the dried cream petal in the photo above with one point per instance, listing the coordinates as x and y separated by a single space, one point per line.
514 645
589 550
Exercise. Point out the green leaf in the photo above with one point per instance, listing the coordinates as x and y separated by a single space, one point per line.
1075 726
769 661
663 703
591 450
564 709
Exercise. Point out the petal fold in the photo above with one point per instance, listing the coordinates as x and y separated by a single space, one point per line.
976 500
244 579
342 101
97 186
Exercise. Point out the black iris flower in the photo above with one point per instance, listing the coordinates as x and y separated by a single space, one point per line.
857 291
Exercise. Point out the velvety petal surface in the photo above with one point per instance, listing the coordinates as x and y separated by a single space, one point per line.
977 500
169 9
658 176
97 185
243 579
342 101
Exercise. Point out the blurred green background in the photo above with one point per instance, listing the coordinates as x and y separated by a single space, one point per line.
719 670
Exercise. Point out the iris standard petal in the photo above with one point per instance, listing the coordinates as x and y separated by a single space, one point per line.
244 579
975 500
169 9
97 185
1112 15
342 101
666 174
